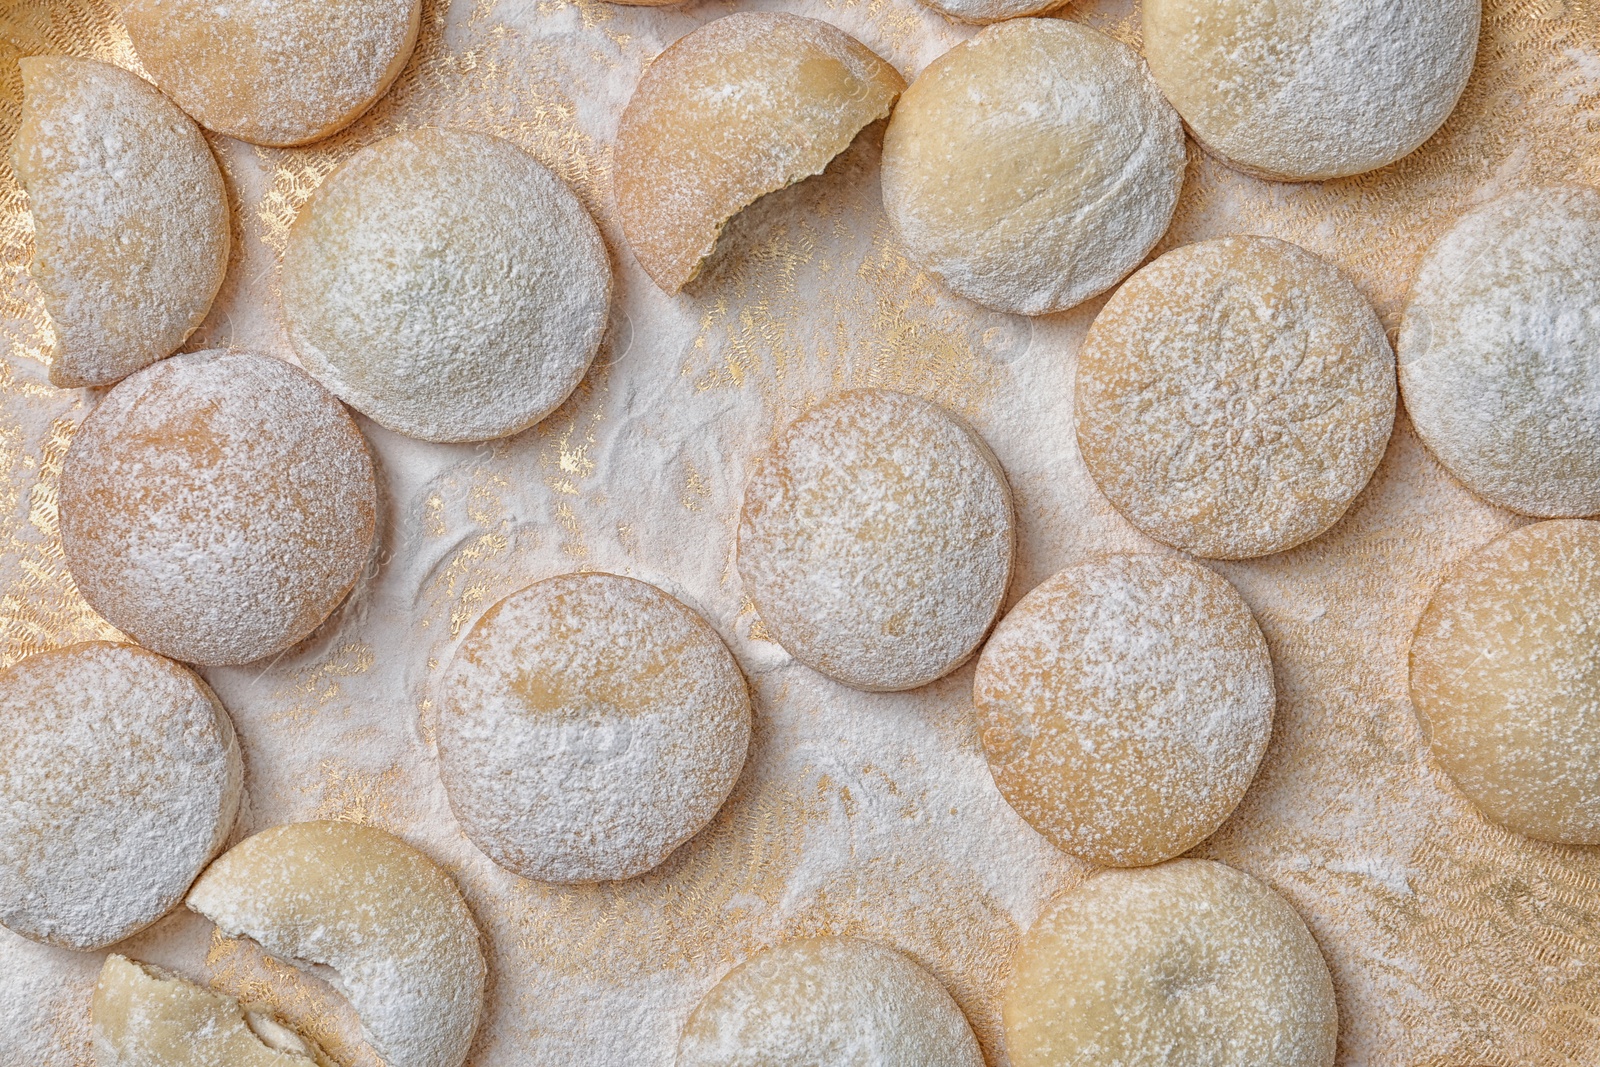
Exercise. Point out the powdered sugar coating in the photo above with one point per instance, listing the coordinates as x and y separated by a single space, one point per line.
1500 351
143 1016
1033 166
273 72
1126 704
876 540
591 724
828 1000
1234 397
1503 679
1306 90
738 108
982 11
446 285
381 914
1190 962
119 782
217 506
130 216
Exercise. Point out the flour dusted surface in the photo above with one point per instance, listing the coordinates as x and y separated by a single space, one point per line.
590 725
217 506
1500 351
1033 166
381 914
877 539
1503 677
130 216
739 108
447 285
119 781
1125 704
1190 962
273 72
1234 397
1307 90
828 1000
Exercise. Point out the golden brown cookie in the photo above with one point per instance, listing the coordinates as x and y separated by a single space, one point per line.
1190 962
876 540
620 746
1125 705
739 108
274 72
217 506
1504 679
1234 397
130 217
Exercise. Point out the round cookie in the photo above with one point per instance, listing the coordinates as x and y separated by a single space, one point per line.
274 72
1500 351
130 217
1306 90
377 911
984 11
620 745
1125 706
217 506
876 540
1190 962
446 285
119 781
142 1016
1504 682
741 107
1032 166
1234 397
832 1000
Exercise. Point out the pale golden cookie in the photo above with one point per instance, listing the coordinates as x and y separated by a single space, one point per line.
982 11
446 285
1125 705
828 1000
1234 397
1033 166
274 72
741 107
1505 677
1500 351
130 217
119 781
590 725
1306 90
1190 963
142 1016
217 506
381 914
876 540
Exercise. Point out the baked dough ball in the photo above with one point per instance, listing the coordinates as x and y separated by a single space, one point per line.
1503 679
1032 166
1234 397
876 540
1500 351
1125 706
130 217
1305 90
217 506
273 72
590 725
142 1016
828 1000
119 780
981 11
1187 963
381 914
446 285
739 108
